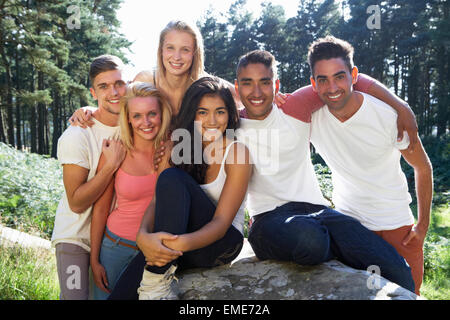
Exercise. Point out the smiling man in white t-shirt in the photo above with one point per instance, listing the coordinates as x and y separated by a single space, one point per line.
291 220
356 135
79 151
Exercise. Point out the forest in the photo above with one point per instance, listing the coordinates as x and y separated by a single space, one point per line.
46 48
45 55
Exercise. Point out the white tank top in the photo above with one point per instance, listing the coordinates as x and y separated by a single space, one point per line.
214 189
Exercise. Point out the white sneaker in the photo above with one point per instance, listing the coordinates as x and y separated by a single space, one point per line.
159 286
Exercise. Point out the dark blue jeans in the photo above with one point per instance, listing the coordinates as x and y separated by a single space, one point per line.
181 207
310 234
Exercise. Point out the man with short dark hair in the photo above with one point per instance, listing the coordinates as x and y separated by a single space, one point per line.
291 220
79 151
355 134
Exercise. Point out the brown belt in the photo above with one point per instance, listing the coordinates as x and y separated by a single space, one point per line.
121 242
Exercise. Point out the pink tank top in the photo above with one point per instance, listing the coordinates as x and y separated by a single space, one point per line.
134 194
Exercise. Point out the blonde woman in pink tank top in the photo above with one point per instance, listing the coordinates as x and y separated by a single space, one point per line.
145 117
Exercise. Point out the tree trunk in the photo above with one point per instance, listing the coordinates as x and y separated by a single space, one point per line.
33 132
2 128
396 70
9 95
41 117
18 105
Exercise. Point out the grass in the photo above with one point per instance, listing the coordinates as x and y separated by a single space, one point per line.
30 189
27 273
436 284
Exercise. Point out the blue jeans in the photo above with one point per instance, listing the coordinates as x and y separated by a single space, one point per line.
310 234
114 257
181 207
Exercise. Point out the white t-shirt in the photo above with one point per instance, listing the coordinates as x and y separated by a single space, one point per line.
282 171
363 155
214 190
83 148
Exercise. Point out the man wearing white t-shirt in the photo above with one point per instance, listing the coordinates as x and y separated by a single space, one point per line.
356 135
79 151
291 220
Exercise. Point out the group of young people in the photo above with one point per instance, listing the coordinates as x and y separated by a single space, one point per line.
135 223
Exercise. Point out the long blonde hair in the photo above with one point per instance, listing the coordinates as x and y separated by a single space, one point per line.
197 68
143 89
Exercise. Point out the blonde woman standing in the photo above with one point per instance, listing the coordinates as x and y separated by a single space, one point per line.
180 62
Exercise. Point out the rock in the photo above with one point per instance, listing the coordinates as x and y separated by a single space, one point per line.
10 236
247 278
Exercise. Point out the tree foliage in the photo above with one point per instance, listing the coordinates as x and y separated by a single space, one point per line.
44 59
46 48
409 52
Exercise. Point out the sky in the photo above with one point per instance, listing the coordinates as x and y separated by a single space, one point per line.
142 21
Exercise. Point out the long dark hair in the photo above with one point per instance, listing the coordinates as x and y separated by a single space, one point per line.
186 117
